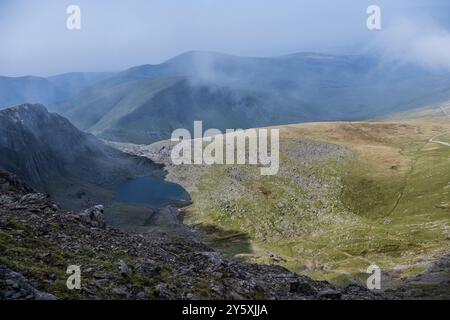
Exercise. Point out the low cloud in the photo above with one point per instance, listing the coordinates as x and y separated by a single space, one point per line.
423 43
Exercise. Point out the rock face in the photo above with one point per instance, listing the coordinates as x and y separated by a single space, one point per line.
38 145
14 286
39 241
47 152
94 216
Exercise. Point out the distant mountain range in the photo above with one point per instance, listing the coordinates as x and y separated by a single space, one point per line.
146 103
48 91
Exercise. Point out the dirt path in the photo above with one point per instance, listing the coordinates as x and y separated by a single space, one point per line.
439 142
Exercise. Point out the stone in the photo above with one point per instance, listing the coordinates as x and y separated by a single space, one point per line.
18 287
124 269
141 295
329 294
162 291
214 257
94 216
121 291
302 287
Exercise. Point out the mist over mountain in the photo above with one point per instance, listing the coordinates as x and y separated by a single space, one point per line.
146 103
50 90
51 155
347 196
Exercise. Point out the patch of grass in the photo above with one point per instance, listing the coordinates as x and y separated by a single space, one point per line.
385 203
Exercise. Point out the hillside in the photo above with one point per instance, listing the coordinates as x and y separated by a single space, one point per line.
39 241
151 112
348 194
145 103
51 155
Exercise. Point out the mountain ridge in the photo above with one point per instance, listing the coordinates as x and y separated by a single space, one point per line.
301 87
293 88
45 90
49 153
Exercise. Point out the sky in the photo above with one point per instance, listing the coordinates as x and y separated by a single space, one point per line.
117 34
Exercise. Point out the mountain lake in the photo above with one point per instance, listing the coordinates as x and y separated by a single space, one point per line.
151 191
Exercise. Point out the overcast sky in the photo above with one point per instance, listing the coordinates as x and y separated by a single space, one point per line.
118 34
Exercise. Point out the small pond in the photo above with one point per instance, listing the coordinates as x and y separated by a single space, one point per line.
151 191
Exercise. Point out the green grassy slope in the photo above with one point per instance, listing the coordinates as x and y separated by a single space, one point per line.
373 193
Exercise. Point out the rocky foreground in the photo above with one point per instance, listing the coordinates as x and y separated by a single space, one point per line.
38 241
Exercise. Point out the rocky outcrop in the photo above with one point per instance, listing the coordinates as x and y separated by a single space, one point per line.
51 155
94 216
39 241
15 286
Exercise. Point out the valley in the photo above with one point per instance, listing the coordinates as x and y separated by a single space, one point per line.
38 240
78 170
348 194
246 151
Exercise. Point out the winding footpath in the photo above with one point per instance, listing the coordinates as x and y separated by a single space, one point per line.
440 142
441 134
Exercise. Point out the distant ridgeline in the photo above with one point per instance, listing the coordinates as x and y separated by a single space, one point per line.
146 103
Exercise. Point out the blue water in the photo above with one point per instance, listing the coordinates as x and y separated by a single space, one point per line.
151 191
